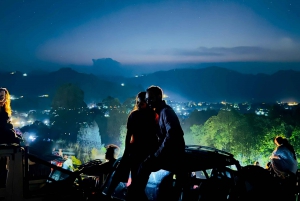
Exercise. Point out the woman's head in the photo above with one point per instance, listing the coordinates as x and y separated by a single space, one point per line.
283 141
140 101
280 140
5 100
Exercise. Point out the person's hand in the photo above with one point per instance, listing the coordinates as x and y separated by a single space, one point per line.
274 157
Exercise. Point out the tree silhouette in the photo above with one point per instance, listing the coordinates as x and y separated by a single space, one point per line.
68 96
68 112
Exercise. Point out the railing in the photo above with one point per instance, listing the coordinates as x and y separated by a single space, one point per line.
14 182
18 180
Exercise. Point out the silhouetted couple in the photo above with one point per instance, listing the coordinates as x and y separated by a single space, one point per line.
154 140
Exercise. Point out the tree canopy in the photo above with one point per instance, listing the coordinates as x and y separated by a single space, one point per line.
68 96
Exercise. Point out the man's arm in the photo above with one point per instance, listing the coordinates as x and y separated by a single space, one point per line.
174 133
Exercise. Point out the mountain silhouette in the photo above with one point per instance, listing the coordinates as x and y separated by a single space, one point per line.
211 84
214 84
95 88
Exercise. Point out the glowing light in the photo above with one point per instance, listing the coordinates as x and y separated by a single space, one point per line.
122 84
44 96
24 74
32 138
292 103
12 97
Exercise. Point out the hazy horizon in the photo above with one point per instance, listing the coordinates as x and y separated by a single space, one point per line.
147 36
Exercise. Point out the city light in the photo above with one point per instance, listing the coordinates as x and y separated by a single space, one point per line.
32 138
292 103
122 84
12 97
24 74
44 96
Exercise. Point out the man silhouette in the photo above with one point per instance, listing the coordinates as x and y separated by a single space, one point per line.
111 155
171 144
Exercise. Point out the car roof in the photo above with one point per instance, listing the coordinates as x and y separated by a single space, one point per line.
202 158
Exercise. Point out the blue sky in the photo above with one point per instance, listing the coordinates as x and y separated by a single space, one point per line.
44 34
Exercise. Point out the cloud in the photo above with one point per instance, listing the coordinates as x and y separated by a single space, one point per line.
197 52
222 51
239 50
107 66
237 53
213 52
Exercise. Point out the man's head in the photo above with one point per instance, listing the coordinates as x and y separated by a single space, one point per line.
5 100
112 152
65 156
154 96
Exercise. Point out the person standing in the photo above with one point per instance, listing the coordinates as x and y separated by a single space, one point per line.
8 134
171 144
141 141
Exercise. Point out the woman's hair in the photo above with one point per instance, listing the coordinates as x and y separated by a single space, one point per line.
283 141
280 140
6 106
142 96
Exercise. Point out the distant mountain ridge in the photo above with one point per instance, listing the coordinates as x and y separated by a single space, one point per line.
95 88
215 84
211 84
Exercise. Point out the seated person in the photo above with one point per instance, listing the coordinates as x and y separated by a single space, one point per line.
283 158
57 175
111 155
68 164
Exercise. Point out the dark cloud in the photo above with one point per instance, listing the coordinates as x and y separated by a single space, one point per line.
107 67
196 53
220 51
235 50
212 52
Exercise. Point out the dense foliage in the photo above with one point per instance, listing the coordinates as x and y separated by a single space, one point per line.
248 136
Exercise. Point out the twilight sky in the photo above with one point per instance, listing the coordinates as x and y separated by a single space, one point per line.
150 35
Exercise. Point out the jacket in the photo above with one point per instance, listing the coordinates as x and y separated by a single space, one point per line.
170 133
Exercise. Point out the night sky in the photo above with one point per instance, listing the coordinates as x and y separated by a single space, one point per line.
150 35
